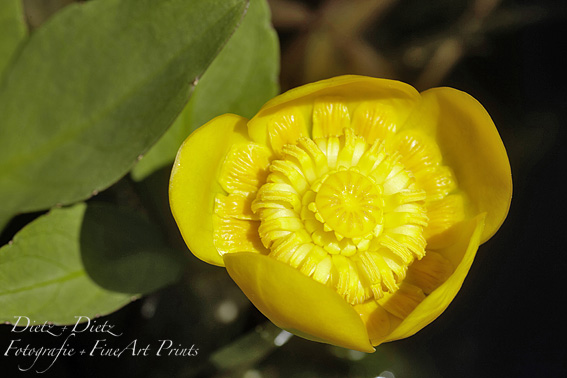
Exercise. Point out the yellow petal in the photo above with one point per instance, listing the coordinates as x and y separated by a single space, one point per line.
378 321
443 214
234 206
285 127
245 168
297 303
461 255
236 235
472 147
418 151
193 184
402 302
430 272
330 117
376 120
401 98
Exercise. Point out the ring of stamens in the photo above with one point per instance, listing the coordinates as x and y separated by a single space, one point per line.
349 215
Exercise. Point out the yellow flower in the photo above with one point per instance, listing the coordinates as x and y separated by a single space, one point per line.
348 210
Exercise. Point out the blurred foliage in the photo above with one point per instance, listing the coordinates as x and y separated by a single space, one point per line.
505 53
12 31
405 40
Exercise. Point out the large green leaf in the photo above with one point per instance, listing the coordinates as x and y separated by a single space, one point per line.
240 80
12 30
42 275
95 87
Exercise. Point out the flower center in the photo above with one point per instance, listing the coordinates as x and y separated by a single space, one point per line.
349 203
344 212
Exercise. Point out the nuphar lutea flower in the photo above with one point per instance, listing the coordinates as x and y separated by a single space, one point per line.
348 210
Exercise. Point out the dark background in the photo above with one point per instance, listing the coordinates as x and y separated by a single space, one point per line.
508 319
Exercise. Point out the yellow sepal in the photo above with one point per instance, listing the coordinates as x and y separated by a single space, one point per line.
472 147
297 303
194 181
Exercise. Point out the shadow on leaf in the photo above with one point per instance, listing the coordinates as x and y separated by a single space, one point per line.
124 252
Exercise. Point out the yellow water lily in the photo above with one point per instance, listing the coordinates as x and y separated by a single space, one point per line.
348 210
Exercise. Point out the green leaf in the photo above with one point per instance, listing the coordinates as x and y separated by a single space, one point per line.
124 252
95 87
83 261
13 30
42 275
240 80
